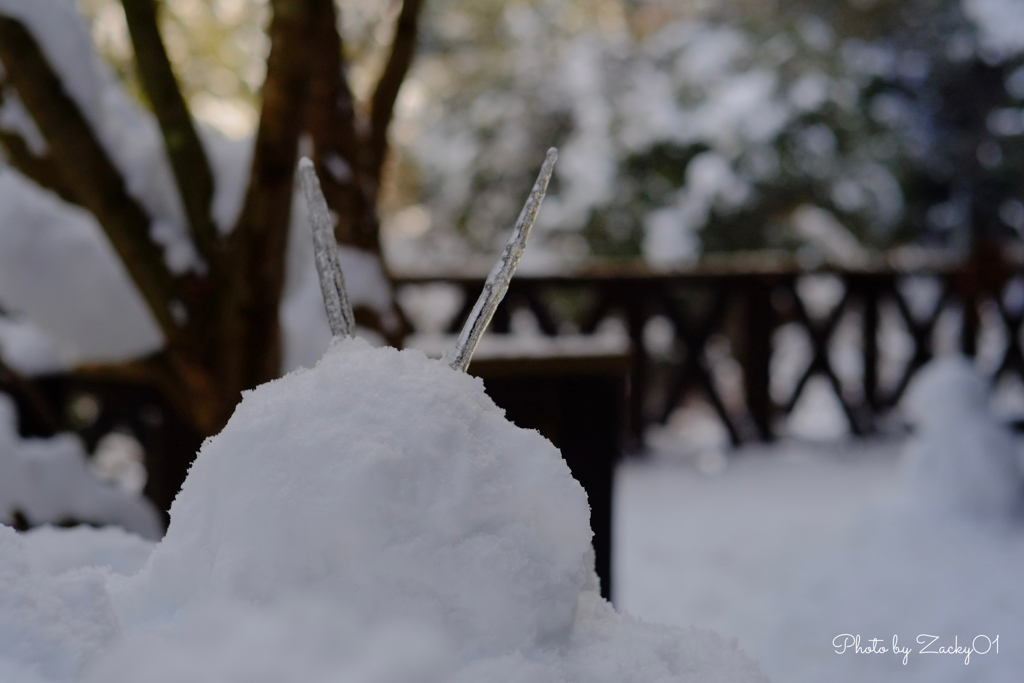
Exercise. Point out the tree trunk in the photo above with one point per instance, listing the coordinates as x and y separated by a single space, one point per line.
221 326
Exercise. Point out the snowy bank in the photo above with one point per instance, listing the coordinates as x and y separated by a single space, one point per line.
376 518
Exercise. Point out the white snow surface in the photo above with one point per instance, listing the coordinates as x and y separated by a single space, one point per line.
794 545
55 551
48 481
26 349
85 302
50 626
374 518
55 610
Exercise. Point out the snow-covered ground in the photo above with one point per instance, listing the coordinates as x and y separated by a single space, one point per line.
792 545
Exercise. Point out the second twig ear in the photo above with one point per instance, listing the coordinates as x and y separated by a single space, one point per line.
497 282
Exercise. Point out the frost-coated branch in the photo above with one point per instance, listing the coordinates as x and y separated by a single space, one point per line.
332 282
498 280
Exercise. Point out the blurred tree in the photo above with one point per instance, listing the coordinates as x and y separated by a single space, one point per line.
687 128
217 307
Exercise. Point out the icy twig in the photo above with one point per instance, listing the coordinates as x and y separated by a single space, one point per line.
497 282
332 282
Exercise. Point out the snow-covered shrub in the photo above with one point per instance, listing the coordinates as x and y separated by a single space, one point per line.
49 481
712 127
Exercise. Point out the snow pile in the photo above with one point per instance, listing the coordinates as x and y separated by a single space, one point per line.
48 480
375 519
398 462
54 551
962 459
49 625
55 611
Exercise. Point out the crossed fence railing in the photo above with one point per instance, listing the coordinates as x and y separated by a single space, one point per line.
887 318
725 334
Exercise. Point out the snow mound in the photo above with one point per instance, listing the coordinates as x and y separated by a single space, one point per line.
50 626
54 551
376 518
962 458
391 483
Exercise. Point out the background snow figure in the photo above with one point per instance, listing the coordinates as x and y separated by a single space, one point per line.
961 459
809 541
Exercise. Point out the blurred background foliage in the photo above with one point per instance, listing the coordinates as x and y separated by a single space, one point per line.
829 129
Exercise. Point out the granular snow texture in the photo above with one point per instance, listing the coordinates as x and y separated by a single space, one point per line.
50 625
376 518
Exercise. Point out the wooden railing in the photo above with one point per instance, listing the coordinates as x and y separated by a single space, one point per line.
740 307
722 336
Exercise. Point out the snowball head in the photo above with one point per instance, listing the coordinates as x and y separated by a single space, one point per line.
946 388
389 484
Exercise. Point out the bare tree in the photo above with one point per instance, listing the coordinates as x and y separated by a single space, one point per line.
221 328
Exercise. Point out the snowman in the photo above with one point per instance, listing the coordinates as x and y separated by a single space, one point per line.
961 459
377 519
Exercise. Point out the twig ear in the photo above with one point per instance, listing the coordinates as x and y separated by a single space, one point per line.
332 282
497 282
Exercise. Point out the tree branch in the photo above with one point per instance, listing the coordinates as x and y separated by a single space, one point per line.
39 169
184 148
31 399
338 154
252 339
87 170
403 47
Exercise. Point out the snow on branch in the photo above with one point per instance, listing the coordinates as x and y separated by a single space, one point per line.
332 281
498 280
185 151
96 183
